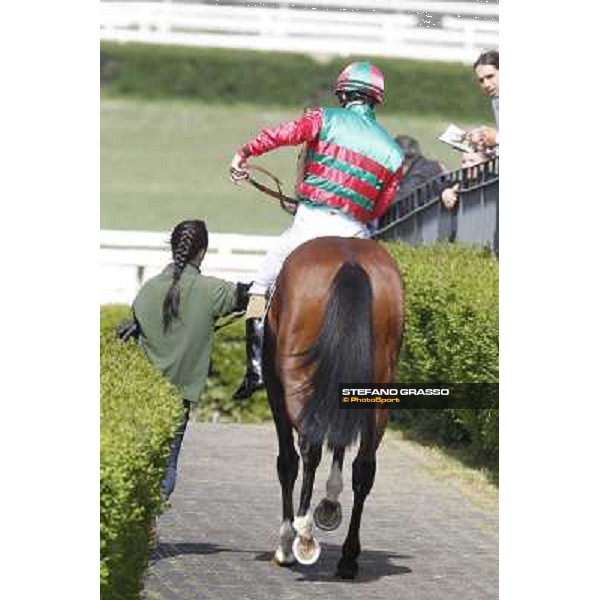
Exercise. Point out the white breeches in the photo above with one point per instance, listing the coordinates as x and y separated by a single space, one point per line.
309 223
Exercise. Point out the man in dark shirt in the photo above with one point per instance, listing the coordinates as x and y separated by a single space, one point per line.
417 168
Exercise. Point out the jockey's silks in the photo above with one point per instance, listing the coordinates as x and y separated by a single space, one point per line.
352 163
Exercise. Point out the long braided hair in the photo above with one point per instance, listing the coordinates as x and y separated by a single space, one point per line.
187 239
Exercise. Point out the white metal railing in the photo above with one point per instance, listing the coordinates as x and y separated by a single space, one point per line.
336 27
129 258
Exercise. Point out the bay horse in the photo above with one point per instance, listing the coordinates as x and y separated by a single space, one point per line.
336 316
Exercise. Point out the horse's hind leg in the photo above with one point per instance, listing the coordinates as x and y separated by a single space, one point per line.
328 514
363 476
287 460
306 548
287 469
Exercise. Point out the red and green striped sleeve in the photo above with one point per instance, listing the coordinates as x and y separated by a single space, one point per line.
288 133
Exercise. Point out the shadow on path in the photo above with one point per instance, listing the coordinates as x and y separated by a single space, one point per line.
170 550
372 565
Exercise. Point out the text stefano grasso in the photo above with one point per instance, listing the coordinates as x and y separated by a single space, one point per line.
396 391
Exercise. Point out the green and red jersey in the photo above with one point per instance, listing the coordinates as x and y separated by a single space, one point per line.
352 163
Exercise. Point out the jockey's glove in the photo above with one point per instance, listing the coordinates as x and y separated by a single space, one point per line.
238 170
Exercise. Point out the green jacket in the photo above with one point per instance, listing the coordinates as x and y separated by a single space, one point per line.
183 354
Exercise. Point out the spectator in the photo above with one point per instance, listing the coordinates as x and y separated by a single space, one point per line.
485 139
417 168
487 71
468 160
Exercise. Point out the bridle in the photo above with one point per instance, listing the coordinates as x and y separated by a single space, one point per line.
287 203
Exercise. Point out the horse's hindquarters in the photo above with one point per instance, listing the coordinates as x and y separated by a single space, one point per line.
337 316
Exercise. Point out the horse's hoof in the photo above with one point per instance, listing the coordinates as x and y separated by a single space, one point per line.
328 515
306 550
347 569
283 559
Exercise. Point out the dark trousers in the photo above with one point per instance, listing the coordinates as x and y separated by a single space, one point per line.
168 483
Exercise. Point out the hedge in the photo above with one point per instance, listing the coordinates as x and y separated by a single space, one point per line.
233 76
139 412
452 313
452 335
226 372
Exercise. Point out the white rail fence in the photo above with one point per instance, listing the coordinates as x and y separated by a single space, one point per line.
459 31
129 258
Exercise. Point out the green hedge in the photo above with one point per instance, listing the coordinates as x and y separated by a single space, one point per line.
452 313
139 411
227 370
230 76
452 335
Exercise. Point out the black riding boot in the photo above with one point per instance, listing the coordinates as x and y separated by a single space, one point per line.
253 379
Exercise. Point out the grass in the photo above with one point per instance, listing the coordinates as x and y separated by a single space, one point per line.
164 161
477 483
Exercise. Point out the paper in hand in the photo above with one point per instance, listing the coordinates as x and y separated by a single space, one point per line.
456 137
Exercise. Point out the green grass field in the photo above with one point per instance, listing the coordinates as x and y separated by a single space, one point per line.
165 161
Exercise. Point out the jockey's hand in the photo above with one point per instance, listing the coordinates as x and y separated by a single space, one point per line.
238 170
450 196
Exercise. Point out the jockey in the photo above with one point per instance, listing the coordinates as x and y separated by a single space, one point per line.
349 176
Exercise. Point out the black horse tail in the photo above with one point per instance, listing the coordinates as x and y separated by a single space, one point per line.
343 353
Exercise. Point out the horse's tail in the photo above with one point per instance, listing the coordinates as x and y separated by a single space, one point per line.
343 353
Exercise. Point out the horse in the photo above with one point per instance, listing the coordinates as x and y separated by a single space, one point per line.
336 315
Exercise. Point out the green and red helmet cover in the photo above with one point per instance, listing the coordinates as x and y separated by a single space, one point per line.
361 77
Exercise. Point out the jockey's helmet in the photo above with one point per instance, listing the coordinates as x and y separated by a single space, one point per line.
361 77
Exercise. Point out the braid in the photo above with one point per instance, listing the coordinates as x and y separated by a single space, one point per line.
187 239
182 251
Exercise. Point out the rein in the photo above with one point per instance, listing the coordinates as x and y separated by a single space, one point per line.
286 202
